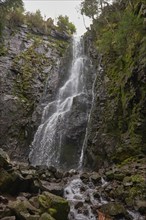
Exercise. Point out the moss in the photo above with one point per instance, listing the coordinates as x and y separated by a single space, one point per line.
137 178
52 211
46 216
54 205
44 203
3 50
26 64
5 180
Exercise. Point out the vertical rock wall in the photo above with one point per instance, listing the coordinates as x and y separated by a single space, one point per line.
27 61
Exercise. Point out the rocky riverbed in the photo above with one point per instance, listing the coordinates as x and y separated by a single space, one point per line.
39 192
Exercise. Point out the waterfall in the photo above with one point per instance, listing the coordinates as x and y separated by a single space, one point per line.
52 145
89 116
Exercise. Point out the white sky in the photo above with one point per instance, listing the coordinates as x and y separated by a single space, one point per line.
54 8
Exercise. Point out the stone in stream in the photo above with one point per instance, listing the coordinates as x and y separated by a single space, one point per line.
95 178
85 177
79 205
115 210
141 205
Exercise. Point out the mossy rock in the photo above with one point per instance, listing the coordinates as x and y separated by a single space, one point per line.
46 216
6 180
109 175
4 159
56 206
23 209
115 210
119 176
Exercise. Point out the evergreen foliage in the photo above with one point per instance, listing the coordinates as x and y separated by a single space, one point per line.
12 14
64 25
119 36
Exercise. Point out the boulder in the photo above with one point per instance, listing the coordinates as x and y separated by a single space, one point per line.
46 216
9 218
4 159
84 177
55 188
6 180
59 205
141 205
23 209
95 178
115 210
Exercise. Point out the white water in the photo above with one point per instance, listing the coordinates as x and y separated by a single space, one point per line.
46 146
89 116
75 194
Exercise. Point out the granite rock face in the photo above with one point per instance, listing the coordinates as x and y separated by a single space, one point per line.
27 61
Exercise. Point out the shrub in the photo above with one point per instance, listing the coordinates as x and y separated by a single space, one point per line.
34 19
64 25
15 18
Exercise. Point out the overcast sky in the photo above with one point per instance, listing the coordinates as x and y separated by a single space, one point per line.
54 8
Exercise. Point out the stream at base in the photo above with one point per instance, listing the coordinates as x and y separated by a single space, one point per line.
85 199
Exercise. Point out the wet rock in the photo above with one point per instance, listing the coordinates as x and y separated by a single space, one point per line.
3 200
28 172
96 195
58 175
70 173
54 188
109 175
95 178
52 169
141 205
115 210
79 205
85 177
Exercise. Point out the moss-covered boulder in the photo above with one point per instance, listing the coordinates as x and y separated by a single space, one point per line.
24 210
115 210
46 216
57 206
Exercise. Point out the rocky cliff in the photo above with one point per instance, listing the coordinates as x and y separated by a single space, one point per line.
115 140
116 130
28 59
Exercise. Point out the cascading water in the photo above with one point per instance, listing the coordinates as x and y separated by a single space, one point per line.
52 143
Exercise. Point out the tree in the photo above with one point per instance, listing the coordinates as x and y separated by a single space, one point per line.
65 25
89 8
92 8
7 6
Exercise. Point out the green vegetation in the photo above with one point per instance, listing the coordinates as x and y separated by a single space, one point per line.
7 11
64 25
118 33
12 15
